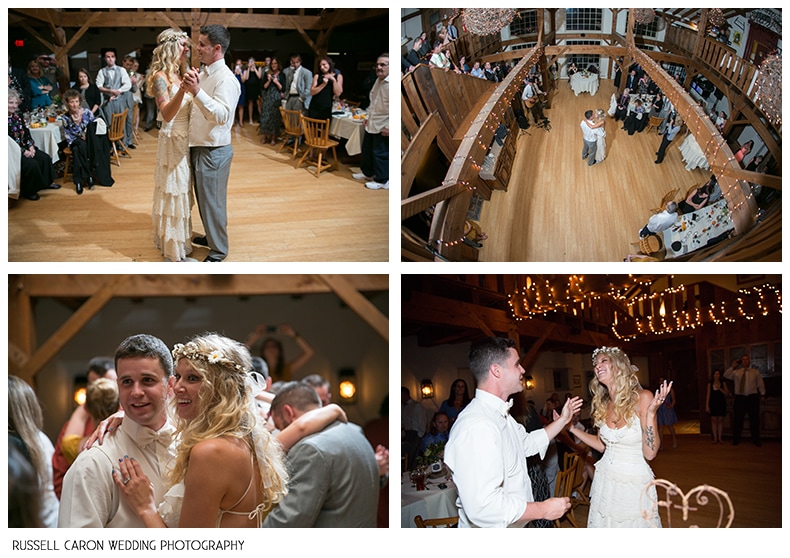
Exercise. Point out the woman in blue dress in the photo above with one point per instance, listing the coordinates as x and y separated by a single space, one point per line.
457 401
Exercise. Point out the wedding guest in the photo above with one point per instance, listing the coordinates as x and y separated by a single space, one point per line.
37 171
40 86
457 400
25 424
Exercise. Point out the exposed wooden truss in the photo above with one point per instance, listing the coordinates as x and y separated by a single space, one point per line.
88 294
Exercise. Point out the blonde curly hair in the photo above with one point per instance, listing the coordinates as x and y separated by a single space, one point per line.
166 58
227 410
626 387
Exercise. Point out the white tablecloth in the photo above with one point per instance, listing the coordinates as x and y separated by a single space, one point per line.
694 230
431 503
350 129
14 168
47 139
692 154
581 84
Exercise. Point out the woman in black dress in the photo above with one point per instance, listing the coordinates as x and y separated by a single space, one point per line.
716 405
37 172
89 93
327 84
251 78
696 200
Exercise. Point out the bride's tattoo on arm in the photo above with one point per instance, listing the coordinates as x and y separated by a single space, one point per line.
650 438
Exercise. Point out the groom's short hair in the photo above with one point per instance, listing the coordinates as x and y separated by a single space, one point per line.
588 114
217 35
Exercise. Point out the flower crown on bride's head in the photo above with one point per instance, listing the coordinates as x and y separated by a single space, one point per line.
615 350
600 350
192 352
171 36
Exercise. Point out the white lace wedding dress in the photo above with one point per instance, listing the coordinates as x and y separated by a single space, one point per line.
620 477
172 186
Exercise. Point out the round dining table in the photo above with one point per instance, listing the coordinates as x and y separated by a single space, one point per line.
432 503
584 84
344 125
48 138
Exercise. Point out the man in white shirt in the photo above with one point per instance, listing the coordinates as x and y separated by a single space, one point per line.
749 389
376 144
487 449
90 497
115 85
413 423
590 133
661 221
216 94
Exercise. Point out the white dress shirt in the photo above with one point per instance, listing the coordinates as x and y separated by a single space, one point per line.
752 384
214 106
102 76
661 221
590 134
90 497
487 453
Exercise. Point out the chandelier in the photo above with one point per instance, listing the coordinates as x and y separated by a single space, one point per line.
644 16
769 88
716 17
487 21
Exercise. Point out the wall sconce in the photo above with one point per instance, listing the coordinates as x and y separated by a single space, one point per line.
426 389
80 391
347 385
529 382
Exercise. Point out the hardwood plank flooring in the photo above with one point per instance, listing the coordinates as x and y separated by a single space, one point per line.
751 476
276 213
559 209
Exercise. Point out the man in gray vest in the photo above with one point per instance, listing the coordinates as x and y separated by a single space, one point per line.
114 83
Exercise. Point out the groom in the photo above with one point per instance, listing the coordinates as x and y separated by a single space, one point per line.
216 94
590 135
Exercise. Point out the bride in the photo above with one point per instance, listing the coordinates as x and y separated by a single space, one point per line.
600 152
172 193
228 471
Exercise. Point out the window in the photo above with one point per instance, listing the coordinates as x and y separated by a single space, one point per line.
583 19
525 23
583 61
649 30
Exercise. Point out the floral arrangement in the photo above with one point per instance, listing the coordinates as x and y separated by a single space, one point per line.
433 453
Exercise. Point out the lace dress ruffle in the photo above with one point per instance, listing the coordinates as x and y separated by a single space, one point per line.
620 478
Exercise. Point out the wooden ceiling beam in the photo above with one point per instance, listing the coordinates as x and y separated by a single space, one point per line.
147 286
344 288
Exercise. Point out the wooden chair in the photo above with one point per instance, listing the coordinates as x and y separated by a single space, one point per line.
564 489
578 495
293 128
354 104
668 197
654 122
115 135
438 522
67 172
316 137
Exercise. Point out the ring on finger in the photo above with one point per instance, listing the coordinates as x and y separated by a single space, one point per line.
126 480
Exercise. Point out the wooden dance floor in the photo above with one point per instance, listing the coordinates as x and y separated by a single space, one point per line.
275 213
751 476
559 209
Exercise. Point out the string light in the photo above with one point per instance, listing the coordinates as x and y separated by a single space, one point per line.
657 313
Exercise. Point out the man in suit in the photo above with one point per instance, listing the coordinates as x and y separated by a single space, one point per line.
334 474
216 94
298 80
632 80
